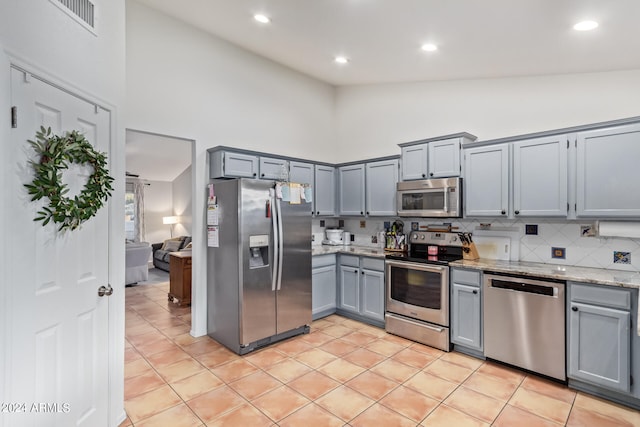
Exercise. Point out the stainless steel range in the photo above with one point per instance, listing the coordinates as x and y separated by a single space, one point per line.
418 288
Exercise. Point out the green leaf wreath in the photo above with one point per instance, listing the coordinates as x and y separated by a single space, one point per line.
56 153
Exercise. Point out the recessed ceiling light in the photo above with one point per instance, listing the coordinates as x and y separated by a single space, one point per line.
429 47
341 59
264 19
585 26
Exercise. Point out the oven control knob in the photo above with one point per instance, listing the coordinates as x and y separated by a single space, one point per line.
422 237
415 236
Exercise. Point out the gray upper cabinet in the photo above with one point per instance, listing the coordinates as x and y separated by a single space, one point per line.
227 164
540 176
325 190
271 168
414 162
607 168
434 157
444 158
351 190
381 181
486 185
301 172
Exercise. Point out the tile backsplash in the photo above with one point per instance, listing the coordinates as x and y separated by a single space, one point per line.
616 253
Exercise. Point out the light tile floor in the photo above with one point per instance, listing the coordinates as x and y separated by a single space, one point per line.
343 373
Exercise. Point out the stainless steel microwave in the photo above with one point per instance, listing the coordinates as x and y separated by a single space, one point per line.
430 198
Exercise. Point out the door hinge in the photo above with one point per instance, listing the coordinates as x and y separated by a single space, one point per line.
567 207
631 380
567 144
14 117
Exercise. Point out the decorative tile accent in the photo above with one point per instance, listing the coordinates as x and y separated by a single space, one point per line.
559 253
621 257
531 229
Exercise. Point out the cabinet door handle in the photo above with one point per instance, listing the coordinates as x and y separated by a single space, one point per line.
254 174
503 212
361 213
355 271
362 272
424 176
431 174
517 212
475 291
574 308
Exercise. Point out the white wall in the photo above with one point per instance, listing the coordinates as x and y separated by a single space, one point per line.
158 202
181 190
372 119
39 36
185 83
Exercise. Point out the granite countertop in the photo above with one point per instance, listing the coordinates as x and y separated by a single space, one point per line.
600 276
349 249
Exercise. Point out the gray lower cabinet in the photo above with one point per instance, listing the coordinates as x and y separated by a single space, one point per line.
372 294
323 288
599 336
466 309
349 298
361 288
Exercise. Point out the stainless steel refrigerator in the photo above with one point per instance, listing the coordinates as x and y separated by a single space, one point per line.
259 276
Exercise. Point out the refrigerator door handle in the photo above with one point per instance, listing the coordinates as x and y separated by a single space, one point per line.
276 256
280 243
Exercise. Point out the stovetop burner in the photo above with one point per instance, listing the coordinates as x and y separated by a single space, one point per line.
431 248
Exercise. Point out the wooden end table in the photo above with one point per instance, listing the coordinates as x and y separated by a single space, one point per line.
180 277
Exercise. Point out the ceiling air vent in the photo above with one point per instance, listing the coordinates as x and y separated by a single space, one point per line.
82 11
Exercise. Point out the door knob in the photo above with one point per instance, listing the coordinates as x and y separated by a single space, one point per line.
105 290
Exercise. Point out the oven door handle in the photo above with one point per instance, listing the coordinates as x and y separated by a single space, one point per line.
417 266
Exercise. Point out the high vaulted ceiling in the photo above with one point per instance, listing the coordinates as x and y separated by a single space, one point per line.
382 38
156 157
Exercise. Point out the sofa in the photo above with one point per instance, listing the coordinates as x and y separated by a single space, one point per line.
136 262
162 250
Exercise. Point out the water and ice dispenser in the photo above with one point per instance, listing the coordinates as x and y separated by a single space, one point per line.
259 251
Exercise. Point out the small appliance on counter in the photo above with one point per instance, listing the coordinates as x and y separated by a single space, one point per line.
346 238
334 237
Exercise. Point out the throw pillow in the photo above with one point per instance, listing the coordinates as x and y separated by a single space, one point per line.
171 245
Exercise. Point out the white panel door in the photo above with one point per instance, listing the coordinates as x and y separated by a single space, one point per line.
58 344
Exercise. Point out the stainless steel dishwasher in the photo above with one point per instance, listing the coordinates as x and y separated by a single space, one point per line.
524 323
